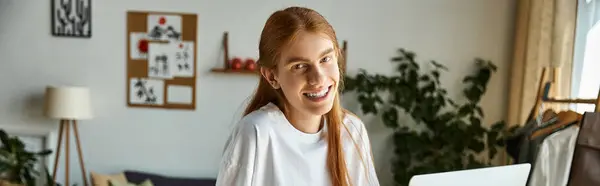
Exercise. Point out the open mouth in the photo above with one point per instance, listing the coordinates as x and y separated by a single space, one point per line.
318 96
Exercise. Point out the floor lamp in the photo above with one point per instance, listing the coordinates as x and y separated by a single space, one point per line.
68 104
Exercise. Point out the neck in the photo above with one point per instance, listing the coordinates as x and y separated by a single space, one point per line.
306 123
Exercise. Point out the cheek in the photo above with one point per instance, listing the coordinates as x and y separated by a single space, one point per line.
290 84
333 72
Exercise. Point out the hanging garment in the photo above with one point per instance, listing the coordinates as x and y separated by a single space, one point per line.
523 149
518 139
554 157
585 168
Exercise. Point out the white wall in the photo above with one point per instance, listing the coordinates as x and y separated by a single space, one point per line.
189 143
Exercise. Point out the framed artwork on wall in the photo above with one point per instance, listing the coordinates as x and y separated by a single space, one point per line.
71 18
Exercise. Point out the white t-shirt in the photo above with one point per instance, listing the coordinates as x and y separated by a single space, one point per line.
266 150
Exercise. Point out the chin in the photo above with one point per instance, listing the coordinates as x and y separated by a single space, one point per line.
320 109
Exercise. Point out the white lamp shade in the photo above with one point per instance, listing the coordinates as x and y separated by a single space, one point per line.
68 103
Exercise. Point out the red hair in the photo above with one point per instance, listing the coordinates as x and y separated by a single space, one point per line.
279 30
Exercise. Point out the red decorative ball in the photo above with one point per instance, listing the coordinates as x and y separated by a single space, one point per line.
250 64
236 63
143 46
162 20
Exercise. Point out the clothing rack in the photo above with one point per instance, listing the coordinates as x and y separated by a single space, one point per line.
556 152
544 88
542 142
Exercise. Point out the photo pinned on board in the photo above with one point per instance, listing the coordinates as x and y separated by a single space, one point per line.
183 59
146 91
164 27
160 60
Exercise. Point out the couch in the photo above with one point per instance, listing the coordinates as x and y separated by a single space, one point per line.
137 177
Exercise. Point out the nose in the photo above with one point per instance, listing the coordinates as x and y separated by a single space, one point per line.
316 76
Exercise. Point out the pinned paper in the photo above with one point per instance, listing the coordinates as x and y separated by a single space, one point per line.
146 91
179 94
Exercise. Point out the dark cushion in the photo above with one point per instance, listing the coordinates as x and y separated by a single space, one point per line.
138 177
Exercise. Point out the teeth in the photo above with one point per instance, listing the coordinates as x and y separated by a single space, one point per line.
318 94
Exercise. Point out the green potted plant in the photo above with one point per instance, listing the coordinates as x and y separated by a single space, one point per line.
17 165
439 134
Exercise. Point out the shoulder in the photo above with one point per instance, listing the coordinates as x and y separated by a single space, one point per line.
247 134
353 123
245 141
355 129
261 118
256 122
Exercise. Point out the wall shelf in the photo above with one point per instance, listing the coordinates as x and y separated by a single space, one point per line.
225 68
233 71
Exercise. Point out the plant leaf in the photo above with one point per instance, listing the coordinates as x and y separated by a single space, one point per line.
438 65
390 117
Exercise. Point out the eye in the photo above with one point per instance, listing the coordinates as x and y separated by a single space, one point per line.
299 66
326 59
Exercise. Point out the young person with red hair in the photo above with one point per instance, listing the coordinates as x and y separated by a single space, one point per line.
294 130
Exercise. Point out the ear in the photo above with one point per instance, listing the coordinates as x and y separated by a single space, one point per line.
269 75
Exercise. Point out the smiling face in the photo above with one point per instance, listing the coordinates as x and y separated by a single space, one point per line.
308 74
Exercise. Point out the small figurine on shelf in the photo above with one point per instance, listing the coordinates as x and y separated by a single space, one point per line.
236 63
250 64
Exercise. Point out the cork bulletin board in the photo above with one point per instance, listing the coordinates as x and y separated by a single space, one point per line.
161 60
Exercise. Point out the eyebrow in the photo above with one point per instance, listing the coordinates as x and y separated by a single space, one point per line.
294 59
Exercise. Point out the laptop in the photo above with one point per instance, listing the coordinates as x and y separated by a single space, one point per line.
508 175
